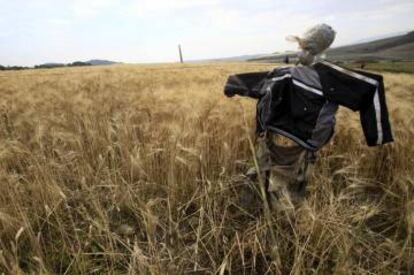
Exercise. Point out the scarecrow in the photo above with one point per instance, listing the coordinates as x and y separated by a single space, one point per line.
296 108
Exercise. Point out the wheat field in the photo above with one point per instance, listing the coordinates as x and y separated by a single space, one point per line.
136 169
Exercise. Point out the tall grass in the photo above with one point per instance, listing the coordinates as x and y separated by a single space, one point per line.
137 170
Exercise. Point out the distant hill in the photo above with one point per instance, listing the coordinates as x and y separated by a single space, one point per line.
396 48
95 62
399 47
378 37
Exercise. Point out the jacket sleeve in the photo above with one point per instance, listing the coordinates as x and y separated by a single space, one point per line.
374 116
360 91
248 84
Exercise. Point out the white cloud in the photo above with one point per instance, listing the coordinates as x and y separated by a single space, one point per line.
58 22
153 8
92 7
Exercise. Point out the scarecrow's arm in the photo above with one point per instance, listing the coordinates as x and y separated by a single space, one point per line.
248 84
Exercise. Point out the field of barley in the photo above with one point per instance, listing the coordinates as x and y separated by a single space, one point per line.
136 169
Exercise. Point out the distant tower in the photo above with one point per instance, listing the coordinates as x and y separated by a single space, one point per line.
181 54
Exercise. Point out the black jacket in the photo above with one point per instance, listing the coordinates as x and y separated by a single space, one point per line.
301 102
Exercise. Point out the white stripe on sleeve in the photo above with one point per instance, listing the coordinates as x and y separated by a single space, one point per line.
377 106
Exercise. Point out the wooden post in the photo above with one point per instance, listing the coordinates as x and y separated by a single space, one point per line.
181 54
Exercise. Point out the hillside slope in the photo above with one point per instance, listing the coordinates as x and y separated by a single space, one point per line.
394 48
397 48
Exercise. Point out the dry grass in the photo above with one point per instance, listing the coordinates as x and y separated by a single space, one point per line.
134 170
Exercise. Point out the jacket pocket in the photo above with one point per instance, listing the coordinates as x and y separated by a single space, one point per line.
305 105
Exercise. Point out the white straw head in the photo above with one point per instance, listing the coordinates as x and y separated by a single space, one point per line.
315 40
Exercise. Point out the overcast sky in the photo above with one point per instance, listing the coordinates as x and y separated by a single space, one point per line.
38 31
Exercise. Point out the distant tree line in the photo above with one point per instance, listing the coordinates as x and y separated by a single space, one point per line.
58 65
45 66
13 68
79 64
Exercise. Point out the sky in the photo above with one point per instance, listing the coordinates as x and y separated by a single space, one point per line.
39 31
